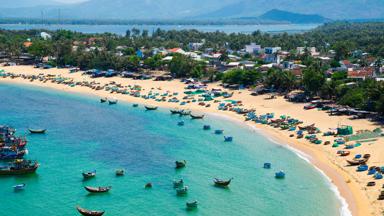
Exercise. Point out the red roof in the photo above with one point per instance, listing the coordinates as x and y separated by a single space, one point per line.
364 72
174 50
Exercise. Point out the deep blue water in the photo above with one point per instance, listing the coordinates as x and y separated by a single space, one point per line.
85 135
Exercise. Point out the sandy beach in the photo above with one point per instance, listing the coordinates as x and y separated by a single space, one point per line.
352 185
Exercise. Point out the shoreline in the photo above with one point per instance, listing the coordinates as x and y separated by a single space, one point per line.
349 190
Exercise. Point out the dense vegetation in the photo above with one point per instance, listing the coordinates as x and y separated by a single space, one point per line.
343 38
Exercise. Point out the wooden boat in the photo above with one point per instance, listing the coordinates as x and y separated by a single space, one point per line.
371 184
120 172
178 183
89 212
19 167
103 100
89 174
191 205
150 107
148 185
19 187
219 131
267 166
207 127
228 138
180 164
97 189
345 153
175 111
222 183
37 131
112 102
356 162
182 191
280 175
197 116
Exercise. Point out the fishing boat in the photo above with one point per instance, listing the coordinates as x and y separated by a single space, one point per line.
362 168
112 102
19 167
89 174
185 112
222 183
178 183
97 189
89 212
148 107
37 131
135 105
371 184
182 191
197 116
280 174
9 153
356 162
180 164
103 100
175 111
345 153
267 166
120 172
219 131
191 205
180 123
207 127
228 138
19 187
148 185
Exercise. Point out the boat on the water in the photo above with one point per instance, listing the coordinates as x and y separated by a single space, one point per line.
148 107
112 102
19 167
135 105
180 123
175 111
192 205
178 183
89 174
228 138
185 112
280 174
182 190
207 127
120 172
103 100
180 164
89 212
148 185
267 166
19 187
222 183
10 153
37 131
197 116
219 131
98 189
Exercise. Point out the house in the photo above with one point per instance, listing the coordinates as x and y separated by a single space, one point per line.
176 50
312 51
253 48
27 44
271 50
363 73
195 46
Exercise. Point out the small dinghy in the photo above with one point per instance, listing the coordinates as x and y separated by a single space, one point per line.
222 183
178 183
87 175
97 189
267 166
120 172
148 185
180 123
280 174
112 102
150 107
182 191
19 187
191 205
89 212
207 127
135 105
180 164
103 100
219 131
37 131
228 138
197 116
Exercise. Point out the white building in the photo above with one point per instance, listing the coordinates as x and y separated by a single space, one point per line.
252 48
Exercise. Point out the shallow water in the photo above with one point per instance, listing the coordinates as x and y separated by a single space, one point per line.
86 135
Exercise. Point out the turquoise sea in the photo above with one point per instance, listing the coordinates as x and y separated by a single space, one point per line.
86 135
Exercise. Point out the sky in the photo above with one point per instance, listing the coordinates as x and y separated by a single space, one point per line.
68 1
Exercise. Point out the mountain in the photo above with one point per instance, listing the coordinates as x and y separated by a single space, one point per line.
285 16
179 9
333 9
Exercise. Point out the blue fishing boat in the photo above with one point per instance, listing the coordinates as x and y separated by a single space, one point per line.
280 174
19 187
371 171
267 166
228 138
219 131
207 127
362 168
7 153
378 176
